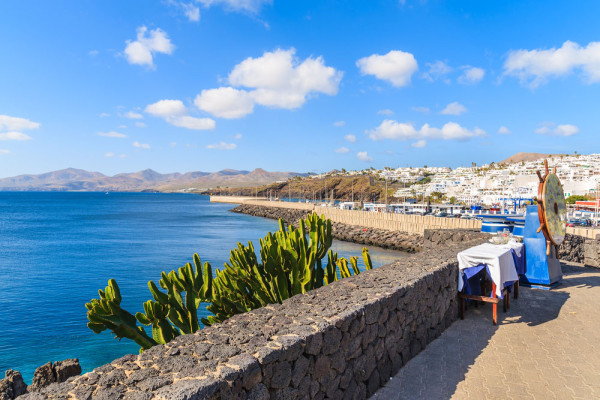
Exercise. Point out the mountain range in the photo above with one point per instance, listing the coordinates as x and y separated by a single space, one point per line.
72 179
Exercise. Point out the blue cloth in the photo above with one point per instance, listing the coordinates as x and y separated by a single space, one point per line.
520 263
474 276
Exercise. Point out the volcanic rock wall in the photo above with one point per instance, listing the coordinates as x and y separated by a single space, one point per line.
342 341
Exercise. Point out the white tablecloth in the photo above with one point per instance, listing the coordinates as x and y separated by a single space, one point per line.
498 259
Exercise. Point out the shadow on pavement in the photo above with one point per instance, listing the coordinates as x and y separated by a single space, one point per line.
436 372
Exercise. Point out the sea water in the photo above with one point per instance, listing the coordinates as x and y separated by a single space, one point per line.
57 249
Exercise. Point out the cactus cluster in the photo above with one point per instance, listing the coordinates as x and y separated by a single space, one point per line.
291 262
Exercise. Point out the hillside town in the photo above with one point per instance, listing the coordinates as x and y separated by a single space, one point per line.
492 184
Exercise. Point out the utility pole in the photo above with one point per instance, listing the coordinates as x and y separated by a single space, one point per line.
386 201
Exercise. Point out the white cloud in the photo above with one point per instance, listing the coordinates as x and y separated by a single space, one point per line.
174 113
142 51
141 145
122 127
250 6
13 135
93 53
419 143
238 136
454 108
185 121
133 115
342 150
222 146
140 124
166 108
276 79
504 130
551 129
191 12
16 124
104 115
112 134
4 152
390 129
536 67
424 110
566 130
350 138
225 102
338 124
437 70
387 111
109 154
471 75
396 67
280 80
364 156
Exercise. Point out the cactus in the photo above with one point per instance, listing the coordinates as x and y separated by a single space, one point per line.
290 263
106 313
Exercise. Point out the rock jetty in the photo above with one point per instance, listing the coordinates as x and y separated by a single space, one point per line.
394 240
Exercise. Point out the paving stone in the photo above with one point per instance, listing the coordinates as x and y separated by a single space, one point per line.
545 347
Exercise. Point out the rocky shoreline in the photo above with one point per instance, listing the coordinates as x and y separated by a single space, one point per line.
13 386
393 240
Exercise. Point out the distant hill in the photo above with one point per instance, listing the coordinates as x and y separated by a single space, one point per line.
526 157
72 179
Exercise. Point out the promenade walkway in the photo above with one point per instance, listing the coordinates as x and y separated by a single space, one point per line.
547 346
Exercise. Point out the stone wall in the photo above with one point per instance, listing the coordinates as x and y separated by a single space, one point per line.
435 238
341 341
581 250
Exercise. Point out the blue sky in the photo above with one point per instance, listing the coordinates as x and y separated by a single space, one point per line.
120 86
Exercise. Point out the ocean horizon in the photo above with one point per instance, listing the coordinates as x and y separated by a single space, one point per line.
58 248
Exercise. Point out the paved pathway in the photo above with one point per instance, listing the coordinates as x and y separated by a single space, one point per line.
547 346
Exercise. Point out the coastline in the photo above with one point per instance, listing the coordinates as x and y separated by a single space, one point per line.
77 205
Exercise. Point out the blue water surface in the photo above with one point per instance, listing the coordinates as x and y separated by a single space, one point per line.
58 249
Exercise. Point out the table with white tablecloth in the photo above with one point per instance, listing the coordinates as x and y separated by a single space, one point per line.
503 264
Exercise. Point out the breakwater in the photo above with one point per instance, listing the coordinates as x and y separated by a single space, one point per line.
413 224
343 340
395 240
